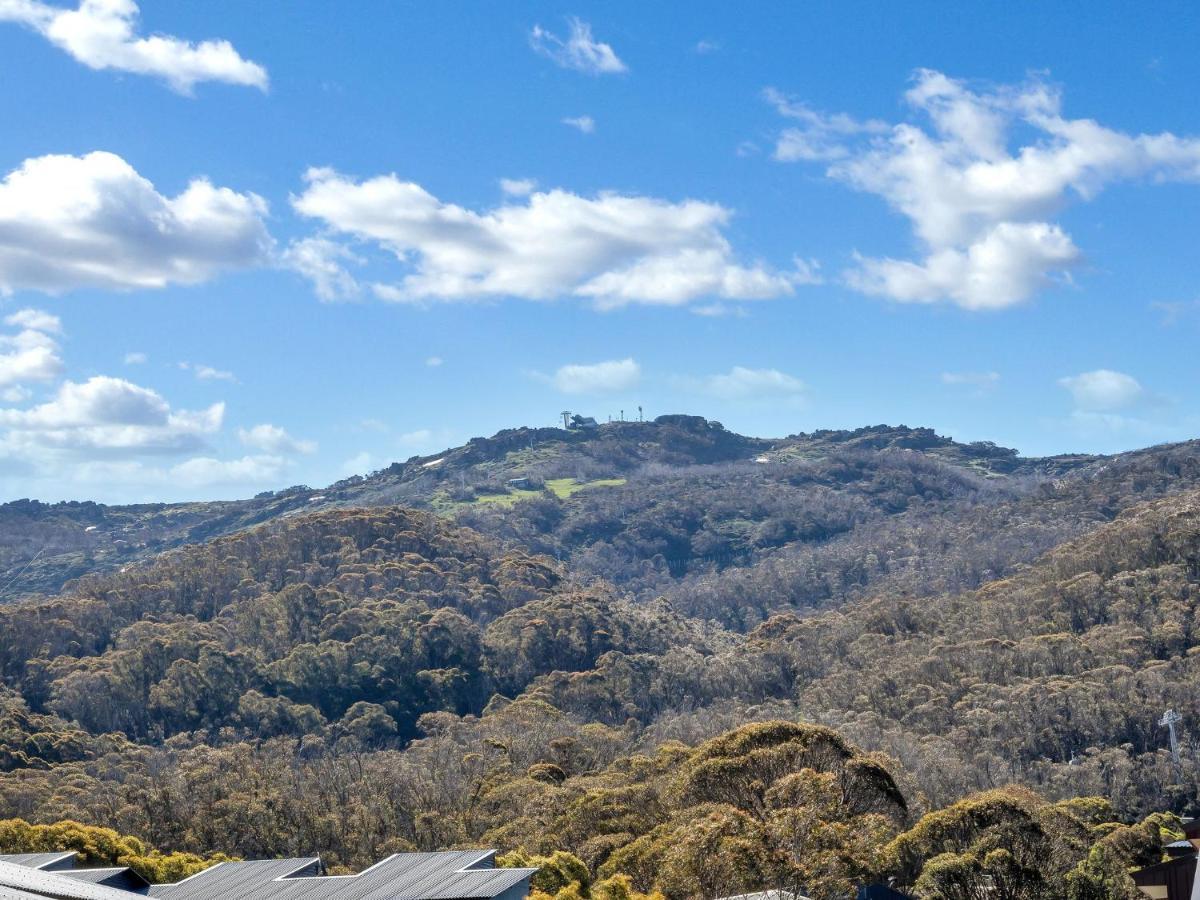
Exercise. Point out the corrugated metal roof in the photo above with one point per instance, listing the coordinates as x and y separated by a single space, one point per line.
121 877
13 894
451 875
38 860
93 876
52 884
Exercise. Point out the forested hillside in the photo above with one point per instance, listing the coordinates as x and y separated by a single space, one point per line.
835 659
43 546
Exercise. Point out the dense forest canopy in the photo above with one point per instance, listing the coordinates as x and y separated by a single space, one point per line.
665 658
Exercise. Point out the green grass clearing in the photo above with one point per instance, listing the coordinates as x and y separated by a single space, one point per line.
563 488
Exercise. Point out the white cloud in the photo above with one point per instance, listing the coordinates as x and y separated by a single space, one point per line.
1004 266
1103 391
611 249
102 34
579 51
981 380
518 187
426 440
741 383
135 358
358 464
705 47
321 261
35 320
607 377
31 354
583 124
206 471
68 222
274 440
978 205
27 361
434 361
717 310
420 437
819 136
207 373
109 415
105 437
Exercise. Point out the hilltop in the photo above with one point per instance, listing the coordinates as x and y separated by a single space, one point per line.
44 546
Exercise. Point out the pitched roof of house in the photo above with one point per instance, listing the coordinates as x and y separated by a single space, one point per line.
63 858
449 875
56 885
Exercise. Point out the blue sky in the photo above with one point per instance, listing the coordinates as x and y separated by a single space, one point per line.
245 245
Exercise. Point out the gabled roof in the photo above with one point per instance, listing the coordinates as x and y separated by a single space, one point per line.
61 860
41 883
121 877
449 875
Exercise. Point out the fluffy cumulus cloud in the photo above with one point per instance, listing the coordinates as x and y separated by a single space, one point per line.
35 320
979 173
578 50
109 414
102 34
1103 391
31 353
608 377
110 438
70 222
274 440
610 249
741 383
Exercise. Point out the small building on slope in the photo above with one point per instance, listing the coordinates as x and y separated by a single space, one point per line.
1175 878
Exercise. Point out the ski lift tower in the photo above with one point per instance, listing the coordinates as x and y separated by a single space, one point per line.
1169 720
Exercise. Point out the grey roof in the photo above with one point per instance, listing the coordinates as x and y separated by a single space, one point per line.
11 894
41 883
118 877
40 860
449 875
95 876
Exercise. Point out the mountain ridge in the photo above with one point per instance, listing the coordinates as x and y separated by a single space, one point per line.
44 546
